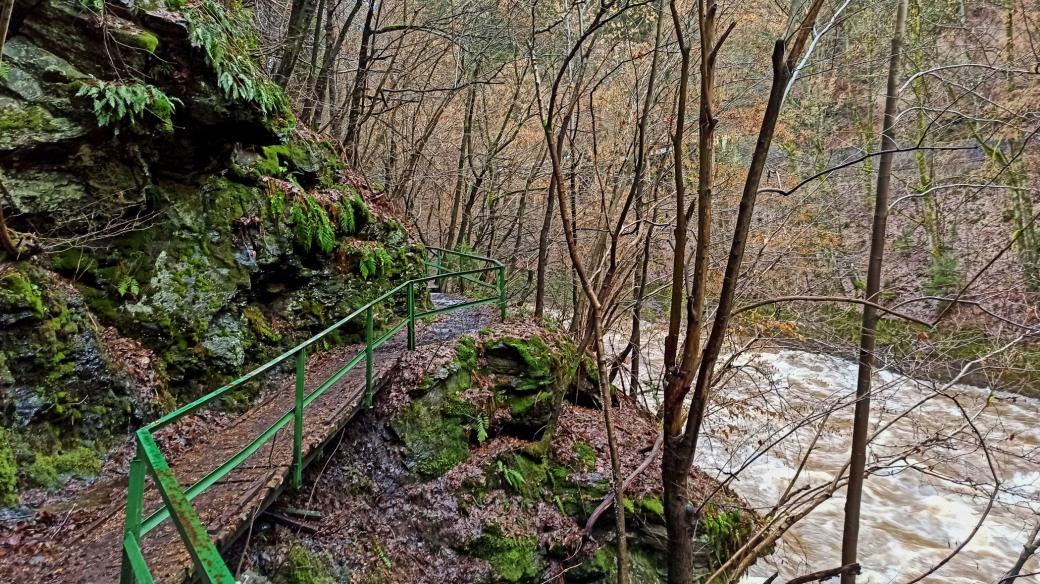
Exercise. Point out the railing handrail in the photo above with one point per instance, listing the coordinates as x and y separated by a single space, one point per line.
177 500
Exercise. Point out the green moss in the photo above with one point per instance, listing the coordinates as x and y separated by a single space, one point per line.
33 118
257 322
601 564
49 470
466 353
303 566
652 505
514 560
435 442
143 40
270 163
8 472
586 455
723 532
522 404
538 359
18 291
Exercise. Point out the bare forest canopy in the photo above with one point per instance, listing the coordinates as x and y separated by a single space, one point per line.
682 186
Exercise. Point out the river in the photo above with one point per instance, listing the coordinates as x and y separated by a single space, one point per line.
936 480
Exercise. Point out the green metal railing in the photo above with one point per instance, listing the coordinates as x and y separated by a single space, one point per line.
177 501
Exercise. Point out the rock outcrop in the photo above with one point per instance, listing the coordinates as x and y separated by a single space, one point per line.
174 225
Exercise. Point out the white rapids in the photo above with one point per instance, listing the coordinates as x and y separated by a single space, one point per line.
936 484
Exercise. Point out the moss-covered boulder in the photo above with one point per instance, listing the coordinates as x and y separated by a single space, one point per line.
469 423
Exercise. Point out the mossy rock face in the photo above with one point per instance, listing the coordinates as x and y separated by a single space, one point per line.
645 566
434 427
61 399
35 106
171 237
54 369
516 560
8 472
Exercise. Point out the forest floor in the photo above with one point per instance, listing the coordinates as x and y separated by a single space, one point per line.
75 534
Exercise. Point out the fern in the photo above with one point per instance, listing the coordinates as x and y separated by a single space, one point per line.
367 266
512 476
277 203
347 224
482 424
227 39
118 102
301 226
128 285
326 232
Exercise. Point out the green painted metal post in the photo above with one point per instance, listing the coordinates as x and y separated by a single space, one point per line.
501 283
369 357
411 316
210 567
301 379
438 273
134 504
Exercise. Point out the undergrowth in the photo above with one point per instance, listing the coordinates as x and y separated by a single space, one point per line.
228 40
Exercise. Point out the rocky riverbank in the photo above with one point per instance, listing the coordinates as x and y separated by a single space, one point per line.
482 461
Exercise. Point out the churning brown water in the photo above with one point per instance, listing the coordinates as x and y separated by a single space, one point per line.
940 452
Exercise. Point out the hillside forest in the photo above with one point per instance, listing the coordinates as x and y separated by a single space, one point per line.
775 262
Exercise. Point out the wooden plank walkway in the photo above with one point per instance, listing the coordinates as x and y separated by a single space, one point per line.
91 551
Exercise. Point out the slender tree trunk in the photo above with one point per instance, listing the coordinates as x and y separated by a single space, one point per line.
323 90
679 449
1028 549
460 167
7 244
299 17
357 94
543 252
543 237
6 8
861 418
312 68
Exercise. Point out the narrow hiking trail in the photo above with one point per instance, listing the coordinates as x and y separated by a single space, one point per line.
79 540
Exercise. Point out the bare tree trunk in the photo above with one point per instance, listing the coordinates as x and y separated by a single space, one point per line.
543 252
1028 549
6 8
357 93
315 106
299 17
460 167
861 418
679 449
543 237
7 244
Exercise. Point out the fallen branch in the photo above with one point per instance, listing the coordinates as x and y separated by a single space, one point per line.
609 499
821 575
